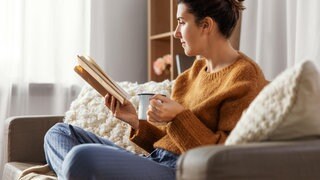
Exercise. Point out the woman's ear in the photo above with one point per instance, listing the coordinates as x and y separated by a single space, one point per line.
208 25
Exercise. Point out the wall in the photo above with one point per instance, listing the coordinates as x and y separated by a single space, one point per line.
119 38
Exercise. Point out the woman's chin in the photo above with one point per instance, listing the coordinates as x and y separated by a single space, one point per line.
189 53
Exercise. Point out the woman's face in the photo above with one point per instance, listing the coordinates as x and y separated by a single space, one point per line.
188 31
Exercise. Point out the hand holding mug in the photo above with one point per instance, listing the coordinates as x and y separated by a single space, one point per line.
162 109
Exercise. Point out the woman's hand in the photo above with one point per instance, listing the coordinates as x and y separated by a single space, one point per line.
125 112
163 109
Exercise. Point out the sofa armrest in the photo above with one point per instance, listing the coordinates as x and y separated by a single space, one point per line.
267 160
24 137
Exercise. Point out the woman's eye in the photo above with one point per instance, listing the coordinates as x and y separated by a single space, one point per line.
180 22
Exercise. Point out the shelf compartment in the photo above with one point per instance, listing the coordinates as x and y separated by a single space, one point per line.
159 48
159 16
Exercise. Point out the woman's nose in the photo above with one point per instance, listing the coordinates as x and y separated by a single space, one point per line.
177 33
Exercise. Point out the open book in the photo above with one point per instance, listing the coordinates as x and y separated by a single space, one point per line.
90 71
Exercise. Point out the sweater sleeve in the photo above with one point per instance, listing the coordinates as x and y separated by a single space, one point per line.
187 131
146 135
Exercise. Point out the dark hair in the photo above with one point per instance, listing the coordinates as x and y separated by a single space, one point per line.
225 12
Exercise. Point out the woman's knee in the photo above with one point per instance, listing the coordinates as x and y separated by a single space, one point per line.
53 135
55 130
79 163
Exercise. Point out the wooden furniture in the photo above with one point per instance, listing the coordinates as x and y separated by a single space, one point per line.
161 25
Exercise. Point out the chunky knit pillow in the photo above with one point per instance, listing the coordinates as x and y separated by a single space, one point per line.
287 108
89 112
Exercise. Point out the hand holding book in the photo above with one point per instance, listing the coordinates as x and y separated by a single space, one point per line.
113 93
125 112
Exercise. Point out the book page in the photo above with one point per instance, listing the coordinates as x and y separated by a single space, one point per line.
122 91
96 72
91 80
90 76
82 60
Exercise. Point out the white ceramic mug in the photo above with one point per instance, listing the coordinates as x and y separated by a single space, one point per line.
144 101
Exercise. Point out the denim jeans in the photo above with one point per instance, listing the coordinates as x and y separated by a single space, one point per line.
74 153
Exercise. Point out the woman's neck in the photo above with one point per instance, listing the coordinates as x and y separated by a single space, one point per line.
220 56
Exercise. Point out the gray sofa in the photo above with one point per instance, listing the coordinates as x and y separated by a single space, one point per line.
267 160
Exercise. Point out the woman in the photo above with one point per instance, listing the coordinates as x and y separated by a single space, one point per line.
206 103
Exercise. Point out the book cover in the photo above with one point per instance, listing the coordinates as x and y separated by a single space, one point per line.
93 74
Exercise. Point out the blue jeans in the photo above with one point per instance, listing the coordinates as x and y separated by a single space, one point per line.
74 153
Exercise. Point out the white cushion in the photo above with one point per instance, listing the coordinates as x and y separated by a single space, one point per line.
89 112
288 108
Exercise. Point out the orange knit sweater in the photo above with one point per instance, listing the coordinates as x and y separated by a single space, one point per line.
214 103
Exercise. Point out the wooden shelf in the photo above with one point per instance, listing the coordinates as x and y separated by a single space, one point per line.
160 36
161 26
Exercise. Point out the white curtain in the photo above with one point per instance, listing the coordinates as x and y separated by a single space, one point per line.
280 33
39 40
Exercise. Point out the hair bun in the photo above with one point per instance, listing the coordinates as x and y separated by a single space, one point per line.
237 5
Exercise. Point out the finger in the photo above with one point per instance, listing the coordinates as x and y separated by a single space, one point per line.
160 97
125 102
152 120
153 108
106 99
153 116
156 104
112 105
117 108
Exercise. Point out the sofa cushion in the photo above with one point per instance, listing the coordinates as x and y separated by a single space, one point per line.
285 109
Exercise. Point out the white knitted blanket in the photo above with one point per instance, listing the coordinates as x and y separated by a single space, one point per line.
89 112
